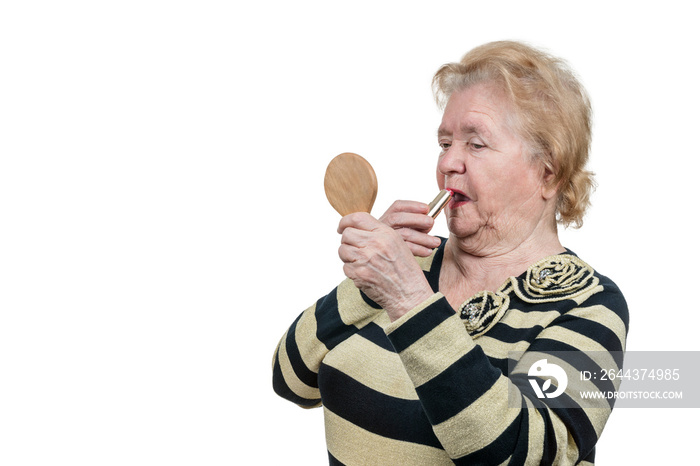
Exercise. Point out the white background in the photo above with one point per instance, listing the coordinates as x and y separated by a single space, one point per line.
163 220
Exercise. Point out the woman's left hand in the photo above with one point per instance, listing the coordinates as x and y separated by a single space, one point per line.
380 264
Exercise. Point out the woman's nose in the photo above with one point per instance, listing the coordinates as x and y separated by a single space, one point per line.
451 162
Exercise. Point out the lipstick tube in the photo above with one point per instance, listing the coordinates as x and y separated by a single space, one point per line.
439 203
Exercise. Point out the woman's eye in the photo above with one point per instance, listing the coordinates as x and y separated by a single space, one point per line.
444 145
477 146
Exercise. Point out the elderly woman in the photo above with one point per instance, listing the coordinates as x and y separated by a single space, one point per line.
436 351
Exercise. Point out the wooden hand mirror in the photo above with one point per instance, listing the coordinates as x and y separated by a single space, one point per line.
350 184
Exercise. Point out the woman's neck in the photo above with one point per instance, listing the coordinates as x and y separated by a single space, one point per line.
464 273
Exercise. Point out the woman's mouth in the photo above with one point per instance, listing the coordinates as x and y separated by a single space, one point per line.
458 198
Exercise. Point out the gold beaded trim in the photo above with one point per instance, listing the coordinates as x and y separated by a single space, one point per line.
556 278
482 311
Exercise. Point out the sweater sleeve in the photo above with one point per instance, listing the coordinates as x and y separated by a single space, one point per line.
483 417
330 321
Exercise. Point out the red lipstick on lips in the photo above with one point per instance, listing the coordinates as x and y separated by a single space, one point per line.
458 198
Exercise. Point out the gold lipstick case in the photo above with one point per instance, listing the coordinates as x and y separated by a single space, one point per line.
439 203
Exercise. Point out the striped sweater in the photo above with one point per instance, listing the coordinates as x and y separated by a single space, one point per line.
441 387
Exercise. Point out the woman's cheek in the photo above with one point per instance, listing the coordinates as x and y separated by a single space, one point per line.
440 179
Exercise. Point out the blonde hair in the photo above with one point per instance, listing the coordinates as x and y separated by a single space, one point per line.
552 112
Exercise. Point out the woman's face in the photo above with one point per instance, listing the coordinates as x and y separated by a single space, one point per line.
500 199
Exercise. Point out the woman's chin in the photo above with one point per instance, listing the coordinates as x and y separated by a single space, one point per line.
461 228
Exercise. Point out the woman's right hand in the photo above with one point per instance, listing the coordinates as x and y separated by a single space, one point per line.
410 219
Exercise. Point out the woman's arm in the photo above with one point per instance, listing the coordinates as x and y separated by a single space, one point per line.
484 417
330 321
322 326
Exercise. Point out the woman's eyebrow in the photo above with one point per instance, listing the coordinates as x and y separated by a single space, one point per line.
468 128
474 128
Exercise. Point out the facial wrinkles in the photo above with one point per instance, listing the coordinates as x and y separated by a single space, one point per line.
518 214
501 232
469 126
502 226
491 238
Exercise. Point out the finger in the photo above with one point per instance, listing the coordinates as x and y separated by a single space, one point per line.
420 244
352 236
420 222
418 250
414 207
418 238
350 271
348 254
360 221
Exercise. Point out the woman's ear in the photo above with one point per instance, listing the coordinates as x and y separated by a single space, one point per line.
550 185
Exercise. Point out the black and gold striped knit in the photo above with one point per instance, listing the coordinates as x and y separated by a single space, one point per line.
431 388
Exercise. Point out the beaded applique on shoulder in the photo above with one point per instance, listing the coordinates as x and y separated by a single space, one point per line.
483 310
554 278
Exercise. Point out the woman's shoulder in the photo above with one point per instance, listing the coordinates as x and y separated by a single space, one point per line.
567 277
